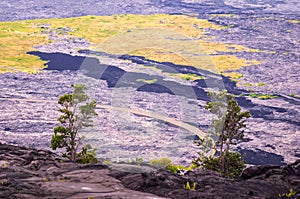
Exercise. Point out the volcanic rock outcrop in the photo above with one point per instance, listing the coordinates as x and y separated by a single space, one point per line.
31 173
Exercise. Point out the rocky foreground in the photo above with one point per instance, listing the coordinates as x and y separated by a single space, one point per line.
31 173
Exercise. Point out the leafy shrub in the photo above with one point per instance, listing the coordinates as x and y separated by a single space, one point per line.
87 155
234 164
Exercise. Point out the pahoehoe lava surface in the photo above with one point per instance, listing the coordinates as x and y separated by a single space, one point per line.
273 133
27 9
113 76
31 173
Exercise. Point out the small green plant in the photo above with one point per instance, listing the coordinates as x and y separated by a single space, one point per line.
187 186
77 113
175 168
187 77
233 161
290 194
87 155
191 76
139 160
161 163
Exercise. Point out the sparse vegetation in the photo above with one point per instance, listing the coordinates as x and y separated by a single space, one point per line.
176 168
289 194
233 76
248 84
77 112
262 96
87 155
260 84
139 160
150 81
166 163
233 164
187 186
187 77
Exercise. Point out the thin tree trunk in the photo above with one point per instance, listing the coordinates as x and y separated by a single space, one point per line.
221 161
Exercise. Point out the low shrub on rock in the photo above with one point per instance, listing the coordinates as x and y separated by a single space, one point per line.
233 161
161 163
87 155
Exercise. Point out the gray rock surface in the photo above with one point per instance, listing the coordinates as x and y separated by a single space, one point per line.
30 173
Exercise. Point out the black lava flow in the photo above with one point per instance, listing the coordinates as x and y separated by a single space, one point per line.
116 77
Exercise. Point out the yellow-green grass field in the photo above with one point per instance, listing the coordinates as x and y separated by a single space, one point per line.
178 39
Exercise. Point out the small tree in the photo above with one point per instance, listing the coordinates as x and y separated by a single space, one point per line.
77 112
228 129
